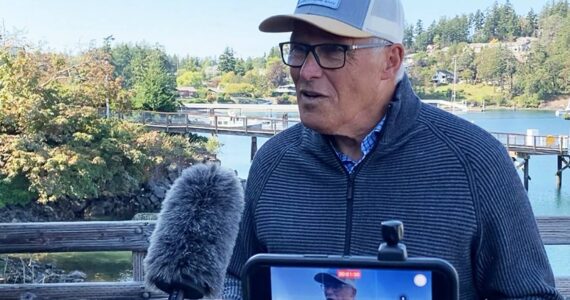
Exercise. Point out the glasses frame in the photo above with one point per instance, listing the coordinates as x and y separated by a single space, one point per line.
312 49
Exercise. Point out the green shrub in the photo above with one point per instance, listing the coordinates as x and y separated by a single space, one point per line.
15 191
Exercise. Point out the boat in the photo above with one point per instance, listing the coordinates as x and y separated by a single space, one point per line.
231 121
564 113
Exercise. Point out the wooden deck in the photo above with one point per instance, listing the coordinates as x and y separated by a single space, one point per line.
134 236
211 124
266 127
521 146
533 145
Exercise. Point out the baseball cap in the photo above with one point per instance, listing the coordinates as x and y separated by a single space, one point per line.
331 278
348 18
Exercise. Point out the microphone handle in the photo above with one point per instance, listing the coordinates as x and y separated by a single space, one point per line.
176 295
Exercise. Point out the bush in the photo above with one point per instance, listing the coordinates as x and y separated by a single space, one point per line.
54 143
15 191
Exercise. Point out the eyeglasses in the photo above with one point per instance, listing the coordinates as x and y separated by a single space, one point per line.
336 287
328 56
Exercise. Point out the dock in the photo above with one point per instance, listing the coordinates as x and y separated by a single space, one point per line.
218 119
522 147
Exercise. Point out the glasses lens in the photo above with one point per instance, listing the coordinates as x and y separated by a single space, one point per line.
331 56
333 286
294 54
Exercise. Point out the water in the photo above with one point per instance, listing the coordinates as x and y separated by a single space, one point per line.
546 199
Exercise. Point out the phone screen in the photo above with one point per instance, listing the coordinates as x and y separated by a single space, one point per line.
349 283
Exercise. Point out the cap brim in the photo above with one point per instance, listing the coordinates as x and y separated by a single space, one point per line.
329 279
286 23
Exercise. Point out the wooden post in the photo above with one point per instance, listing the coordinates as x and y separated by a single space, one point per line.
168 121
138 270
525 170
559 173
274 125
245 124
216 123
253 146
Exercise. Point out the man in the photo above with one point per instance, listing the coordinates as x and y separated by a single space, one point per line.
336 288
368 150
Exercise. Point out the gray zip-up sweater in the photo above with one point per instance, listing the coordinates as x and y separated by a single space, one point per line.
451 183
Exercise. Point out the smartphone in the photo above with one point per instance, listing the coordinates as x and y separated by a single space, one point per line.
299 277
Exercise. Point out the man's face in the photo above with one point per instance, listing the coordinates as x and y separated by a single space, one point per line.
340 101
340 292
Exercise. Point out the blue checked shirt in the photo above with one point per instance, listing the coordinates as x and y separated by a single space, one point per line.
367 144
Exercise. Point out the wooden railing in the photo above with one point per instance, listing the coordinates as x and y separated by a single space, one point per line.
130 236
134 236
181 122
549 144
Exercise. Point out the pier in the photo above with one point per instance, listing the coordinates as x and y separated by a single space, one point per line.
218 119
522 146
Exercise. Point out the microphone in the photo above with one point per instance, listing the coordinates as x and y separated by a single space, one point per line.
195 233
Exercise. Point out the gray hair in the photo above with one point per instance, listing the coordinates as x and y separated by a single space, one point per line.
400 74
401 71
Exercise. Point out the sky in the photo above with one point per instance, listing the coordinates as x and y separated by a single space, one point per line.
185 27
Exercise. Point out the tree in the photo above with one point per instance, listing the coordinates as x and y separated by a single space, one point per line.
466 64
148 74
531 23
492 20
276 74
227 61
497 66
478 20
190 78
419 28
54 142
155 88
508 23
240 67
409 37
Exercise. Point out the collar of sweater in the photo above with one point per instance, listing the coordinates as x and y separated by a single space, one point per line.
401 116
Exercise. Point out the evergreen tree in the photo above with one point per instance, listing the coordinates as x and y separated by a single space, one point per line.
508 23
478 21
419 28
227 61
409 37
492 18
155 86
531 23
240 67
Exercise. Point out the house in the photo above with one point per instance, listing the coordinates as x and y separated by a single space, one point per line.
288 89
442 77
186 91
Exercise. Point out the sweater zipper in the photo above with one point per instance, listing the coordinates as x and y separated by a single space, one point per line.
349 204
350 191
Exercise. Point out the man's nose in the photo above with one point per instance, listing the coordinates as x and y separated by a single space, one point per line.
310 68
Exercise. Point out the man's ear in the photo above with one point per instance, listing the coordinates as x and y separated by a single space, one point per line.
394 59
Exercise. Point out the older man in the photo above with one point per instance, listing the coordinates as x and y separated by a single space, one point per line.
336 288
368 151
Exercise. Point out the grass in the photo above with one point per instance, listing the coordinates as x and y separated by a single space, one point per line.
474 93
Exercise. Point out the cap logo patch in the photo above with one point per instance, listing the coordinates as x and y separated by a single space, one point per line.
334 4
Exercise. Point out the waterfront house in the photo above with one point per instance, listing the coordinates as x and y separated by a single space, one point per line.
186 91
442 77
281 90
